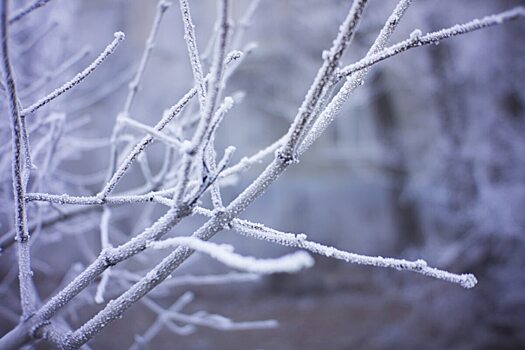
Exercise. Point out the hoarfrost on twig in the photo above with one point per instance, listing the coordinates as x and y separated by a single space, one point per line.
119 36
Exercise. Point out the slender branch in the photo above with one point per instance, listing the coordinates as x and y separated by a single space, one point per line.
168 116
261 232
19 185
153 196
113 256
418 40
134 85
203 319
162 320
219 322
355 80
246 162
119 36
143 144
210 156
105 244
199 137
191 44
170 141
224 254
322 79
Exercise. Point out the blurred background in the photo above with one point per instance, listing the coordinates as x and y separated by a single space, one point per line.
427 160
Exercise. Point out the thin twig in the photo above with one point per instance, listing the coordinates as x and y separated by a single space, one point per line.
224 254
191 44
119 36
198 140
168 116
417 40
168 140
324 75
261 232
353 81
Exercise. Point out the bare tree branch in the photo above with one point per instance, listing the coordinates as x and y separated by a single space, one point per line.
19 184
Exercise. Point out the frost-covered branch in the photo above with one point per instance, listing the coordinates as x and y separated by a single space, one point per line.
163 321
17 169
220 322
199 138
353 81
209 150
191 44
200 280
168 116
168 140
224 254
134 85
246 162
331 60
261 232
133 88
77 79
417 39
105 244
95 200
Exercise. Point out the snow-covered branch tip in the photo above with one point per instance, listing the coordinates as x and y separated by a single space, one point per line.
289 263
118 37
